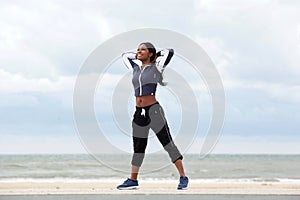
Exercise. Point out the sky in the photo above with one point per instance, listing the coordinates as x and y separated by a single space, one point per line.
254 44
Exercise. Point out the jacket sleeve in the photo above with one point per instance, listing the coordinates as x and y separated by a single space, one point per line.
128 59
163 59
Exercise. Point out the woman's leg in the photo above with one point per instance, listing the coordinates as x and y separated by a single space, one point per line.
139 146
140 131
179 166
134 172
160 126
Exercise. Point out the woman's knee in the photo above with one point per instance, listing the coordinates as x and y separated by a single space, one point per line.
139 144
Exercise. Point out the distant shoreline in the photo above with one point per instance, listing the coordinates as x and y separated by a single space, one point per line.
190 154
218 181
217 174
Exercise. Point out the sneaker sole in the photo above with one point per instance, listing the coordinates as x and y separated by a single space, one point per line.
182 188
129 188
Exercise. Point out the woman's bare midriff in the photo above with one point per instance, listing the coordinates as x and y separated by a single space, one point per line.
147 100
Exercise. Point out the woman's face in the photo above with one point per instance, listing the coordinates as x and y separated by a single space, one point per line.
143 53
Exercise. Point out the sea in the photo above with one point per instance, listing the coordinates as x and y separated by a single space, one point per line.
214 168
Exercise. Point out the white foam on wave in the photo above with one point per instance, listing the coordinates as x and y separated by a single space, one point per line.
155 180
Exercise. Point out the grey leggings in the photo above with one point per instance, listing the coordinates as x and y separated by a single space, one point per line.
151 117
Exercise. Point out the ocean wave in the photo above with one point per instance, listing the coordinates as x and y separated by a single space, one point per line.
152 180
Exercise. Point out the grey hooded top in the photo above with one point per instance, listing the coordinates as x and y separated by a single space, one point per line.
145 80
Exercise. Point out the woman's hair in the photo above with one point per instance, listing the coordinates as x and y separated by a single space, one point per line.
151 49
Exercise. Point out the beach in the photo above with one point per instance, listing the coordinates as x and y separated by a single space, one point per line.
44 188
53 177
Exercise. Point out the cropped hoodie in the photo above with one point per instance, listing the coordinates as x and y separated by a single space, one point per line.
145 80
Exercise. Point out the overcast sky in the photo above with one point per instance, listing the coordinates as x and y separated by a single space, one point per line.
254 44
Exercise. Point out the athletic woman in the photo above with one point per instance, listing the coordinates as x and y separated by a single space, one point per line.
147 66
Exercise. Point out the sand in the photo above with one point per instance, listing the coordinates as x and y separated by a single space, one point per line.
41 188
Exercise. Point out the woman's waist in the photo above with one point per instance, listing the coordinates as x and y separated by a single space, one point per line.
146 100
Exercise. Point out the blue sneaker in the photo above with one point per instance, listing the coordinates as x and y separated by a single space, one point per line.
183 183
129 185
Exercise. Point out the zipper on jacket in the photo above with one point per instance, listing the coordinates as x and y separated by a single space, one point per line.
140 81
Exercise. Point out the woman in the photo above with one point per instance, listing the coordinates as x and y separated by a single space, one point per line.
148 66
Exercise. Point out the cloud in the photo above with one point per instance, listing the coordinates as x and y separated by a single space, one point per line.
273 144
262 37
280 92
254 44
40 144
228 6
16 83
49 39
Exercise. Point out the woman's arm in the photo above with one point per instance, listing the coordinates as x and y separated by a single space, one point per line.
163 58
128 59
